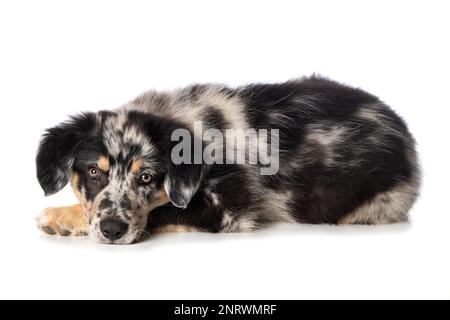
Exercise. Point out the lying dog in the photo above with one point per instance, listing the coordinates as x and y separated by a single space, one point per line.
338 155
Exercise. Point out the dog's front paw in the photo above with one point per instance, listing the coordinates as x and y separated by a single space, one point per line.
64 221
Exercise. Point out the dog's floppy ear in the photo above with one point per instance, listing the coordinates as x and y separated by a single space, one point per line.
57 151
182 178
181 183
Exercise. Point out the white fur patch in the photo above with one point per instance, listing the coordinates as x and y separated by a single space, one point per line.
373 113
328 138
237 224
41 219
129 135
386 207
276 206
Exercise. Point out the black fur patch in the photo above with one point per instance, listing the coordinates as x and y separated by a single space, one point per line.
58 149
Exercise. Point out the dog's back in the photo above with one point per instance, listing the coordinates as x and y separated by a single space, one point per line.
344 156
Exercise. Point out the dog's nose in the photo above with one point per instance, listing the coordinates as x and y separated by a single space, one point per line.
113 229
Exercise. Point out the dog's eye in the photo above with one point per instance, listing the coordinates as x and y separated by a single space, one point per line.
145 178
93 172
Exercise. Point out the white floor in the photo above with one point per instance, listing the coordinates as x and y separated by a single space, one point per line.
289 262
58 59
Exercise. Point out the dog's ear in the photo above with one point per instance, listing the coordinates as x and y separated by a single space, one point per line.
57 151
182 182
182 178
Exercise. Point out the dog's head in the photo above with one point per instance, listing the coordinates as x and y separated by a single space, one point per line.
119 165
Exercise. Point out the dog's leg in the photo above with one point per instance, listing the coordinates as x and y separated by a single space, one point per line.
65 221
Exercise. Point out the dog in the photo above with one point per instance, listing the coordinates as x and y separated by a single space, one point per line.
342 157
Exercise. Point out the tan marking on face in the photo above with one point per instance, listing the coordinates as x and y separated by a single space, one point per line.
136 165
74 179
103 163
175 228
64 221
160 199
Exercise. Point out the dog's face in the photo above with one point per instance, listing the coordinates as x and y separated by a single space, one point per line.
119 166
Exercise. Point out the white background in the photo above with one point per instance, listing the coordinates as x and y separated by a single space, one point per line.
59 57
